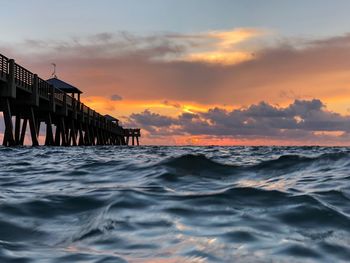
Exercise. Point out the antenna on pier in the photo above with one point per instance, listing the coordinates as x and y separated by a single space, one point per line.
53 75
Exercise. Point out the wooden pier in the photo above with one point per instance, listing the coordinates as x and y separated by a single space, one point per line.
28 100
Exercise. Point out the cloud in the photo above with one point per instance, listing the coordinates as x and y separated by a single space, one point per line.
149 119
229 39
304 121
221 57
116 97
222 47
157 67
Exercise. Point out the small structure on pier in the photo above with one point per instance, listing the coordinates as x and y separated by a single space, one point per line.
65 87
32 100
134 134
112 119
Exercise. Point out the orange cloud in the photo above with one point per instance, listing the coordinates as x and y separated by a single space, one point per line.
221 57
228 39
126 107
223 46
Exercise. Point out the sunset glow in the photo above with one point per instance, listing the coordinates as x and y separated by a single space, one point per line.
168 73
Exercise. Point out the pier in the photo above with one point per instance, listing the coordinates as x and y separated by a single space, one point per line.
28 100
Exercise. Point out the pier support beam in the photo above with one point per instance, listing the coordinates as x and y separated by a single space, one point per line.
38 123
33 127
63 132
49 140
8 135
73 134
81 135
57 135
23 131
18 129
87 135
92 136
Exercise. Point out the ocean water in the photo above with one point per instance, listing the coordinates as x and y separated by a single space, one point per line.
175 204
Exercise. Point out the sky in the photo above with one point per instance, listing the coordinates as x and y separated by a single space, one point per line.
197 72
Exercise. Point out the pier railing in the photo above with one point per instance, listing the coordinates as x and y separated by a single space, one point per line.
23 78
3 67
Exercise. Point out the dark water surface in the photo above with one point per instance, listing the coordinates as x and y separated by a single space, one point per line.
175 204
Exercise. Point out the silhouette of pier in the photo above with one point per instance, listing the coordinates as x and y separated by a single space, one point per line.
26 99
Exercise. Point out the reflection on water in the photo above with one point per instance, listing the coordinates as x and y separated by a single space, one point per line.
175 204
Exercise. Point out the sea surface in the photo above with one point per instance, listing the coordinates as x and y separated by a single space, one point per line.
174 204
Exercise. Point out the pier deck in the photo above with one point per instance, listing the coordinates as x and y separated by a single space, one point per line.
32 101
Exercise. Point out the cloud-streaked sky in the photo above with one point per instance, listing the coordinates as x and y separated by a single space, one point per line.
197 71
66 18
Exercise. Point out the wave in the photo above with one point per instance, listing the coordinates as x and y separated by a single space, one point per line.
194 162
292 161
200 165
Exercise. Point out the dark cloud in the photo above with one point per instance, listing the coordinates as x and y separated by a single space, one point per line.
116 97
301 120
103 37
172 104
149 119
